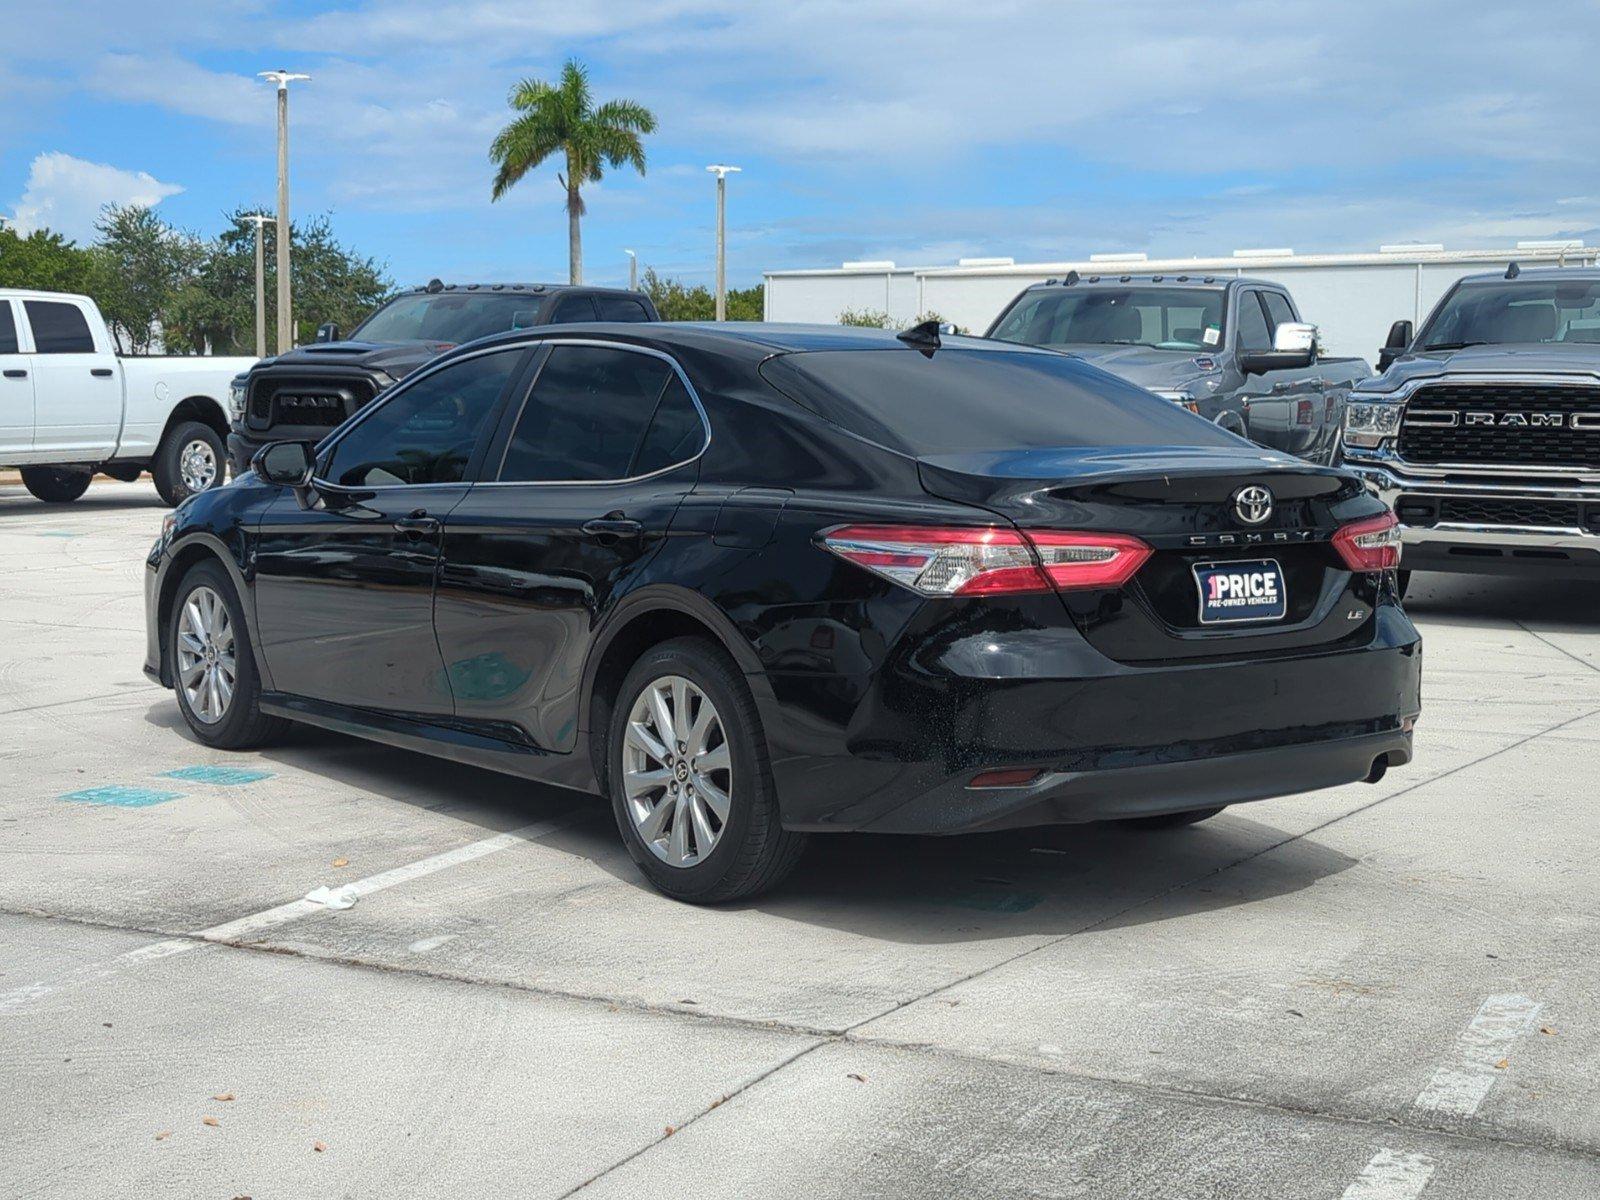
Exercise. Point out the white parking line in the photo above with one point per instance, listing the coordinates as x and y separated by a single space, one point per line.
1391 1175
1458 1088
243 928
1461 1085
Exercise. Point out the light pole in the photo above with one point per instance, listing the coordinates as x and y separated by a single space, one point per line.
285 316
722 171
633 270
258 220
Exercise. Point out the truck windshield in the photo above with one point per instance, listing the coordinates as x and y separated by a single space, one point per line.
1166 318
448 317
1516 312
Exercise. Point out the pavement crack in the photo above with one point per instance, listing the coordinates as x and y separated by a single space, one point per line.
1559 649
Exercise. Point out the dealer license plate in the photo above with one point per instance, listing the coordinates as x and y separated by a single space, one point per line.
1241 591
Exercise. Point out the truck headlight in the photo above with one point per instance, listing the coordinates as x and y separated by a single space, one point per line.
1367 423
236 400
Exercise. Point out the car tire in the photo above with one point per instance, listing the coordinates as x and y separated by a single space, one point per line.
1175 820
683 845
226 720
190 459
55 485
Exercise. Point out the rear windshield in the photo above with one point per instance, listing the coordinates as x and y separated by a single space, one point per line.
982 400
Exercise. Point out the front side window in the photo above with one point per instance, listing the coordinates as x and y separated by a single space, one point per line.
570 310
1253 331
59 328
8 329
597 413
1278 310
427 431
620 308
1516 311
1166 318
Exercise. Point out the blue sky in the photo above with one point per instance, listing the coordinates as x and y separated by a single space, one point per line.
919 132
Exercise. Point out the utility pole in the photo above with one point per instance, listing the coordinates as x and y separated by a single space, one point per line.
633 270
722 171
259 220
285 313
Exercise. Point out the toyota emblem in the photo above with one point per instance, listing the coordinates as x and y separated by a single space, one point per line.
1252 504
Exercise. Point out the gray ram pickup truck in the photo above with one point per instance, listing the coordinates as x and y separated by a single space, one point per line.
1483 431
1231 349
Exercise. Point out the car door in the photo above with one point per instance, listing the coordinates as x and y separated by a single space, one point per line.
1315 415
588 474
16 386
76 381
1270 399
345 580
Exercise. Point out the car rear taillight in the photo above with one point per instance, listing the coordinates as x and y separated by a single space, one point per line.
936 561
1370 545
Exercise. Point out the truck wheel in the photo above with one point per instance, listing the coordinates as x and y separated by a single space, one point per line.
1402 583
55 485
190 459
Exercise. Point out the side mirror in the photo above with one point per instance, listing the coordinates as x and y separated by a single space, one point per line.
288 464
1294 345
1400 335
328 332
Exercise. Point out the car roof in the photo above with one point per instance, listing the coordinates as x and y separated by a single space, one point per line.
543 289
745 339
1536 275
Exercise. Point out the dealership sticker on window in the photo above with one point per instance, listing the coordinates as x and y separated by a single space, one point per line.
1212 335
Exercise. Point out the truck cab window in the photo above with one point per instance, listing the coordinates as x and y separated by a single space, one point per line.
1278 309
573 309
8 329
59 328
620 308
426 432
1253 331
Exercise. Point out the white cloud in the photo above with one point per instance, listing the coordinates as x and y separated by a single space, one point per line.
66 194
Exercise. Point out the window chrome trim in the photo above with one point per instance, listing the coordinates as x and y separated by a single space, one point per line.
554 340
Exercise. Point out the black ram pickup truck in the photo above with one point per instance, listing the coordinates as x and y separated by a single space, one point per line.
1231 349
305 393
1483 431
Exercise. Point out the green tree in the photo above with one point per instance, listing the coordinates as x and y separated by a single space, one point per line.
562 118
140 264
44 261
676 301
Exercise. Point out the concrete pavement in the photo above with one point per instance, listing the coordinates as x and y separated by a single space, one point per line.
1376 992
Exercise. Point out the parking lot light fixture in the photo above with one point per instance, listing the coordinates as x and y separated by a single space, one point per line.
633 270
722 171
285 315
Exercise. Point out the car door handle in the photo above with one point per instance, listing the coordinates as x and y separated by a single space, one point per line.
16 373
619 527
417 525
101 372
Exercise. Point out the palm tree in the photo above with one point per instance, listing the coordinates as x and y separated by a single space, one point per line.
561 117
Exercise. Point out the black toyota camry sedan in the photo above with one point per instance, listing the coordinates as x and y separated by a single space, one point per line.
757 582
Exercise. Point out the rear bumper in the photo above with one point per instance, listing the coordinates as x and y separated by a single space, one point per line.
1570 548
896 751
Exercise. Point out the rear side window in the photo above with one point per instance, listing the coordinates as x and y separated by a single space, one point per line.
620 308
587 417
1278 310
676 433
8 329
59 328
982 400
572 309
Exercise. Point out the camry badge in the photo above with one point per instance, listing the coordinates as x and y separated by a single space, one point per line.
1252 504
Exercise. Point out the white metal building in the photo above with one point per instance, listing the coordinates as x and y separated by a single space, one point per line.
1353 298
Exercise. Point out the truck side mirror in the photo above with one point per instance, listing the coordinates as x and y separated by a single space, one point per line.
1400 335
288 464
1294 345
328 332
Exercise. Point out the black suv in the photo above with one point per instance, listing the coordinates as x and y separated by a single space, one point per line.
754 581
305 392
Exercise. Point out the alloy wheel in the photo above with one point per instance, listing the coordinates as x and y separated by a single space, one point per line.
197 465
207 667
677 772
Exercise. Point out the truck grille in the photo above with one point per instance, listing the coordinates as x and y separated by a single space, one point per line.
1474 510
305 402
1512 424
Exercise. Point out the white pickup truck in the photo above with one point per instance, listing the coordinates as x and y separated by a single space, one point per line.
70 405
